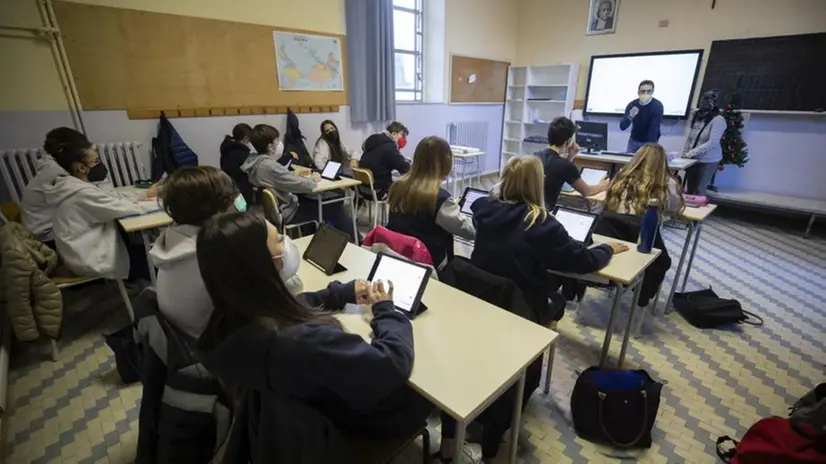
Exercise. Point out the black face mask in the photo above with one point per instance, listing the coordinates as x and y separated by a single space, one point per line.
98 173
332 136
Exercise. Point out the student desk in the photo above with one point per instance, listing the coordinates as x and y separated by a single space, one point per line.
600 160
468 352
694 218
465 159
329 185
144 224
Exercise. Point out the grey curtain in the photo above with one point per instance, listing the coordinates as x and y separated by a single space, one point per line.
371 66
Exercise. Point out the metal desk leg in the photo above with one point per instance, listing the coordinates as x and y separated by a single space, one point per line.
320 215
549 367
459 445
631 313
698 231
148 246
809 227
689 234
516 422
353 217
606 344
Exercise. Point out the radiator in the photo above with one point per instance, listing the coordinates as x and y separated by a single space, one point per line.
123 159
470 134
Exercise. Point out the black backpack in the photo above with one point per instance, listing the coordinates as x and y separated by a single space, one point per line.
705 310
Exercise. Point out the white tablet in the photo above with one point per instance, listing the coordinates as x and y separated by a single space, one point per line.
469 197
578 224
593 176
331 170
409 281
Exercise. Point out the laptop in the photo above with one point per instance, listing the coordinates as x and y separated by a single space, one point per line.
409 281
578 224
593 176
325 249
469 197
331 170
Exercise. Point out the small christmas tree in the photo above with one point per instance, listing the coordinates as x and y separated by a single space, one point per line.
735 150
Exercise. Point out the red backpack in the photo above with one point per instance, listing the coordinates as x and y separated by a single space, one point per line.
774 440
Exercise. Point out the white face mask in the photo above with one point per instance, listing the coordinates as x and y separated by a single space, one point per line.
279 149
645 99
290 259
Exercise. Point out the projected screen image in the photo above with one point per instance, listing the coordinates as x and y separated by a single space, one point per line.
614 80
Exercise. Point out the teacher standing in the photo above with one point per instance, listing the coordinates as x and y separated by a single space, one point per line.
703 144
646 114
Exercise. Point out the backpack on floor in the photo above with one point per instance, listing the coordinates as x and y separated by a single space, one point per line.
705 310
775 440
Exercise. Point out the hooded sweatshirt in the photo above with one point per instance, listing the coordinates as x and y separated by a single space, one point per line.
503 247
85 230
265 171
382 156
233 155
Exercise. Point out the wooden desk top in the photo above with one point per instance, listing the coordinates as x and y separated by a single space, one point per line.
327 185
145 221
467 351
679 164
471 154
690 213
626 266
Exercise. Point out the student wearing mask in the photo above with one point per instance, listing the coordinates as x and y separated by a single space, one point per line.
381 156
191 196
262 339
235 149
557 162
329 147
703 144
645 114
85 229
264 170
421 208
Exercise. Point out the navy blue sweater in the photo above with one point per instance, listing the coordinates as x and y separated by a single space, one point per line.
503 247
646 123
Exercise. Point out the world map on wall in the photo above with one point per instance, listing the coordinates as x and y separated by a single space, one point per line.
308 62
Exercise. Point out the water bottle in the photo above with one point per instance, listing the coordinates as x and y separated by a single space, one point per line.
648 227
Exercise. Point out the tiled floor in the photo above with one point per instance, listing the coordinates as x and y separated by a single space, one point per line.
717 382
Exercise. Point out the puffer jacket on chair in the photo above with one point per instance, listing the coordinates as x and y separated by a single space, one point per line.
33 302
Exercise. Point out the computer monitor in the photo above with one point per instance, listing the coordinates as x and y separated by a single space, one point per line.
592 136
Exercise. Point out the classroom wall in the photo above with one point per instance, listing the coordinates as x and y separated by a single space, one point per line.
786 151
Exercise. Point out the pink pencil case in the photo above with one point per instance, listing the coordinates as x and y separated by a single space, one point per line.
695 200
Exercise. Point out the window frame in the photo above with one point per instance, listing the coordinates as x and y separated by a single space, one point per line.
417 91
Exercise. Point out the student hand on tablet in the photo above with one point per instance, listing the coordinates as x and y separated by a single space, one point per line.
617 247
377 293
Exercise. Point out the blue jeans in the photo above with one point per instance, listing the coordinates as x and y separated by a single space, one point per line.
633 145
697 177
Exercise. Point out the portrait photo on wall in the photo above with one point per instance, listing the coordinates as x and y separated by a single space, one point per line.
602 18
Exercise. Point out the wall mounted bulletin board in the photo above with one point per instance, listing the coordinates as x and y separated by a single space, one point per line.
147 62
477 80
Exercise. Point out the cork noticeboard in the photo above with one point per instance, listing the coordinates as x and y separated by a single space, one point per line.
143 61
477 80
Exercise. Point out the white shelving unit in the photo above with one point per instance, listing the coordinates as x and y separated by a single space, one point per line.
536 95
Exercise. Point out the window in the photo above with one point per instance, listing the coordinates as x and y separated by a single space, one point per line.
407 49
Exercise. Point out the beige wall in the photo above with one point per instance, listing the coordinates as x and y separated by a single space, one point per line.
551 31
481 28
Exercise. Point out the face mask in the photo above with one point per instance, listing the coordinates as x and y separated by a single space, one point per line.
97 173
249 145
279 149
645 99
706 105
240 203
332 136
402 142
290 258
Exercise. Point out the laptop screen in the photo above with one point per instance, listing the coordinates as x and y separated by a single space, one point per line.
576 223
469 197
593 176
331 170
407 279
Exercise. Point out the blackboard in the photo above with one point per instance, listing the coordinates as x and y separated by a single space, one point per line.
786 73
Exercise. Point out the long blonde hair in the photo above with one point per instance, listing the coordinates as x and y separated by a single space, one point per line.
646 177
416 191
522 182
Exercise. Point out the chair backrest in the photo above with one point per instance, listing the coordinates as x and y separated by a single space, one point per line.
269 200
365 176
405 245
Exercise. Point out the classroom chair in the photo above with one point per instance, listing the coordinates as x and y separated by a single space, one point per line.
270 202
368 193
367 451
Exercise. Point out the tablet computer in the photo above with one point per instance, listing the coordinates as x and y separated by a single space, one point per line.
331 170
468 197
325 249
578 224
593 176
409 281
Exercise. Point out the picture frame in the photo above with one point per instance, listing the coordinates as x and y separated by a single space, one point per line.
602 17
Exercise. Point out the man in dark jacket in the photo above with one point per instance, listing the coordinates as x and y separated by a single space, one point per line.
234 151
382 156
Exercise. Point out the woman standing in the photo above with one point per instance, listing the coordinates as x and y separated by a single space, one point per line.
703 144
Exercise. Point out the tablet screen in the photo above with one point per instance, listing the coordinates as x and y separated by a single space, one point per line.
326 247
407 279
471 195
331 170
593 176
577 224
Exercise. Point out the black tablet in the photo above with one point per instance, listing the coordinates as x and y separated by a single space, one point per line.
470 196
331 170
325 249
578 224
409 281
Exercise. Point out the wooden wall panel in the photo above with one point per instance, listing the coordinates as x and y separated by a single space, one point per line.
490 85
